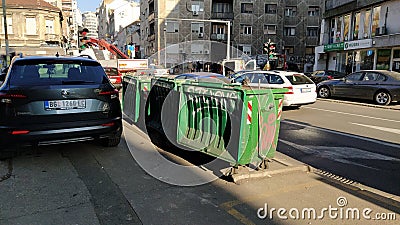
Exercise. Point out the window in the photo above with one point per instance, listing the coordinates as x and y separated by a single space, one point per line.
310 50
247 8
246 29
49 27
346 29
270 8
339 22
375 19
197 6
259 78
269 29
312 31
313 11
172 26
221 8
289 31
198 28
9 25
354 77
356 27
367 24
289 49
275 79
197 48
246 49
290 11
31 26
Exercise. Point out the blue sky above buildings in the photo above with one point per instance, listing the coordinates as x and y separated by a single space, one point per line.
88 5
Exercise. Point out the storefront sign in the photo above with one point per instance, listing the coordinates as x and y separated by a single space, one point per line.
334 47
358 44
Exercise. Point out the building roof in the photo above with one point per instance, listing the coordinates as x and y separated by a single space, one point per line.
31 4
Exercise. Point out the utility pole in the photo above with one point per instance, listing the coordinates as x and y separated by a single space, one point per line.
6 33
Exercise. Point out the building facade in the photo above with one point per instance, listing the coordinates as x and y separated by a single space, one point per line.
33 28
202 24
360 34
90 22
114 15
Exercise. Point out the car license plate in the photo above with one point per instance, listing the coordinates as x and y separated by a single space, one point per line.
305 90
65 104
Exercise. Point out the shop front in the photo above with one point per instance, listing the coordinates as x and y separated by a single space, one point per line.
359 55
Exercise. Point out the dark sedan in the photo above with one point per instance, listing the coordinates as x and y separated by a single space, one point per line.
49 100
381 86
321 75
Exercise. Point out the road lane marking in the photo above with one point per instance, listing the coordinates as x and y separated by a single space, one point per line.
228 206
344 134
352 114
391 130
340 154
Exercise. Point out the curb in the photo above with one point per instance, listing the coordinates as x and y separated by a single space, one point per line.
378 195
358 103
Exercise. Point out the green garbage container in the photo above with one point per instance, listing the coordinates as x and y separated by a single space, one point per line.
135 90
233 123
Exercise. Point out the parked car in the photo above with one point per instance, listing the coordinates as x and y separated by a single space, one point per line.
204 76
302 90
321 75
381 86
115 76
50 100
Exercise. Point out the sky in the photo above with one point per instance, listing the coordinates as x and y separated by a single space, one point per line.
88 5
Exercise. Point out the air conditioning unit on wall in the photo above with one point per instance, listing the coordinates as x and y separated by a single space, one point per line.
195 13
201 35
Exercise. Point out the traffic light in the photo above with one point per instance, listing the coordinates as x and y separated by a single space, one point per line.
83 38
271 50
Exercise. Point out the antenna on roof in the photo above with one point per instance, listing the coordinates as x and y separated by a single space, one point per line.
57 55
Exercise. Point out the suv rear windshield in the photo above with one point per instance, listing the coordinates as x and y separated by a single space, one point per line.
39 72
299 79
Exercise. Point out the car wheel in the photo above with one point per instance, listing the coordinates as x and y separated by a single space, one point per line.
383 98
324 92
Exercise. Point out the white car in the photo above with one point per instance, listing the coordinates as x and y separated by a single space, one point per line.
302 90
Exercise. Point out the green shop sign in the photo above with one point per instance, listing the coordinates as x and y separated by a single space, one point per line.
334 47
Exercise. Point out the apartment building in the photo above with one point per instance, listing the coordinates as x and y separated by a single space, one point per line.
33 28
90 22
198 29
113 15
360 34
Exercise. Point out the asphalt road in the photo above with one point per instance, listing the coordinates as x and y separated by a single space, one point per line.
136 183
357 142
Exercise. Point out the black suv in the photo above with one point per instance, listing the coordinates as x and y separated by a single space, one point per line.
50 100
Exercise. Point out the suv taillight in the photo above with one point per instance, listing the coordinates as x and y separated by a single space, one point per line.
290 90
7 98
114 93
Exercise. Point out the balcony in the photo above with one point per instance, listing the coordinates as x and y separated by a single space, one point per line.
331 4
151 17
219 37
52 37
222 15
151 37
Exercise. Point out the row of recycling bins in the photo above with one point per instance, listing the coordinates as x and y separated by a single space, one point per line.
234 123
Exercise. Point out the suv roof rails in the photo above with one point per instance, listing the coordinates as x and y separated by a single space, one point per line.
86 56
